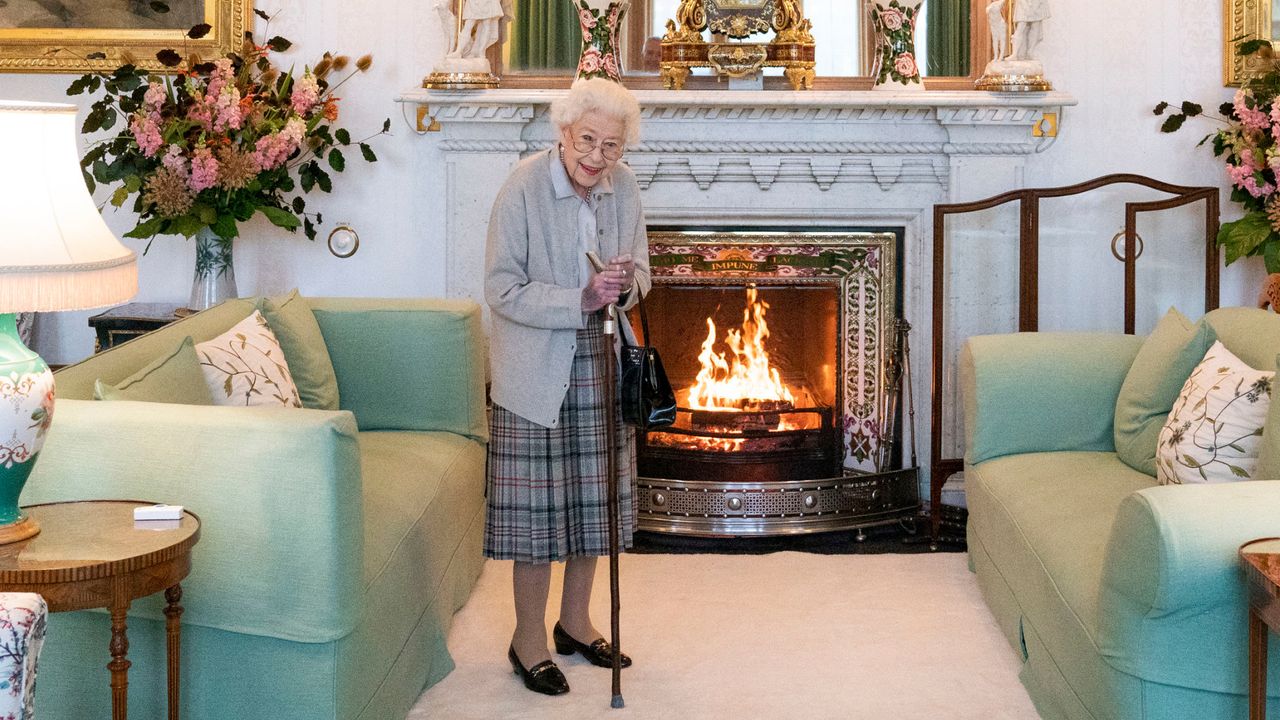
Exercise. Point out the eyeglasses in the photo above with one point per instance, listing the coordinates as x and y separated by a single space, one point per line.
611 149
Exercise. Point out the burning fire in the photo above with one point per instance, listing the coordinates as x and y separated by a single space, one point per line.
742 379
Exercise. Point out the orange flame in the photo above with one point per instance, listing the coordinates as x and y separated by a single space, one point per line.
742 378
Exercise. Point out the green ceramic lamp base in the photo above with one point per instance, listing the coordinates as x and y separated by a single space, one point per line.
26 409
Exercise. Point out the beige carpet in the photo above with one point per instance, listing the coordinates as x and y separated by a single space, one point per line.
756 637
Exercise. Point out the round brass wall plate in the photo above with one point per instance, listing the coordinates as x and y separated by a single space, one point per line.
343 241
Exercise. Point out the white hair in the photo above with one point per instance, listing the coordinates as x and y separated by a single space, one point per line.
599 95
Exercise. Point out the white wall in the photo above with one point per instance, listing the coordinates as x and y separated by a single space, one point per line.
1119 59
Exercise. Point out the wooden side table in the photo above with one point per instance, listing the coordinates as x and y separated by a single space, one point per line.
126 322
93 555
1261 560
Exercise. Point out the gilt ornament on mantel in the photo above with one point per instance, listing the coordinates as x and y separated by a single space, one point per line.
1017 27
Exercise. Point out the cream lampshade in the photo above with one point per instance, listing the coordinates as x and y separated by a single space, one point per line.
56 253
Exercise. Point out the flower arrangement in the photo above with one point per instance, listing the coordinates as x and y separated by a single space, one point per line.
895 27
219 141
1250 146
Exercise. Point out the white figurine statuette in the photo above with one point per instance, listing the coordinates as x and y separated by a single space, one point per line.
1014 66
465 65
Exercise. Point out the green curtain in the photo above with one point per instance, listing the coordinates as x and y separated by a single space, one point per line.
545 35
948 38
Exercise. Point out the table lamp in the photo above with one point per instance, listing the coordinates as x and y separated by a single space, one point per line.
56 253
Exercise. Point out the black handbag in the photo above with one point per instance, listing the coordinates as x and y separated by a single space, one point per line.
647 399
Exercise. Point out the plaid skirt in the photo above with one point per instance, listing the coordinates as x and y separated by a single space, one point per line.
546 486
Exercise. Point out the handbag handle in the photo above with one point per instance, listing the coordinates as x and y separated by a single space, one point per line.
644 322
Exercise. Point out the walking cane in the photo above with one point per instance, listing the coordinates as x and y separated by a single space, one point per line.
611 487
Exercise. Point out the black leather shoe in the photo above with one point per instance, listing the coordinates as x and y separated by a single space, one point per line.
543 678
599 652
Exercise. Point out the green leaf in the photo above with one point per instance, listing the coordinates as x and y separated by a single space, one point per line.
336 161
133 183
1159 109
322 178
1191 109
1173 122
186 225
169 57
1190 461
299 204
309 228
367 152
343 136
280 218
146 229
198 31
306 177
279 44
1250 47
79 86
1242 237
225 227
386 125
119 196
100 172
1271 256
1238 471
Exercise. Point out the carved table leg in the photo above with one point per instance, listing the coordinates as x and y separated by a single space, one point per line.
1257 667
119 665
173 636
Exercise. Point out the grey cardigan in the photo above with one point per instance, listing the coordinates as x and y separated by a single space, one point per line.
531 272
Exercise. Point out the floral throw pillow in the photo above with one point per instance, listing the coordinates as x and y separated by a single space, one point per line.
1214 431
245 366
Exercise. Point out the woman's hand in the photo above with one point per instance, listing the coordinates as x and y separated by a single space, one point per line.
603 289
628 268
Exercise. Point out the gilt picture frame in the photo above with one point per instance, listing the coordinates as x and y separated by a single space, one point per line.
78 36
1243 20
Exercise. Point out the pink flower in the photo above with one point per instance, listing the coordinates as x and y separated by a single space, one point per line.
610 64
586 36
272 150
590 62
204 170
892 19
905 65
174 160
614 14
154 98
1250 117
147 134
587 19
306 93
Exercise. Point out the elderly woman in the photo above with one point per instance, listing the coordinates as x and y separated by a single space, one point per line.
547 447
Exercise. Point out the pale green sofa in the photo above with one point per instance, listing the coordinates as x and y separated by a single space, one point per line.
335 546
1125 599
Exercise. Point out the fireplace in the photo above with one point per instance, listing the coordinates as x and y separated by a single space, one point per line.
777 344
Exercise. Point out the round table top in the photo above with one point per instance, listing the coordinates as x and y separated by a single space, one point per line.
1264 556
92 539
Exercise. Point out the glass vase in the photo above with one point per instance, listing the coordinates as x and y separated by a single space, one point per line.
215 279
600 21
894 24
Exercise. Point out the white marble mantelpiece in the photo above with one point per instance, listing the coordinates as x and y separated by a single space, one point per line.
776 159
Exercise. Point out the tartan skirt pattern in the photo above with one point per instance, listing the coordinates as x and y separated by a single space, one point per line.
546 498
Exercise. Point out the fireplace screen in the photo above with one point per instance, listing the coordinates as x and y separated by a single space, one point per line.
777 345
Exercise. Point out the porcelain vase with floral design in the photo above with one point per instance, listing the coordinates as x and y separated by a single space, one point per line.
894 24
215 279
600 21
26 409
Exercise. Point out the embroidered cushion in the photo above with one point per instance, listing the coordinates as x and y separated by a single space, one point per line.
174 377
245 366
1168 355
1214 431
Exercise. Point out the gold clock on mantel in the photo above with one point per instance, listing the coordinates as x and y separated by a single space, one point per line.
684 48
